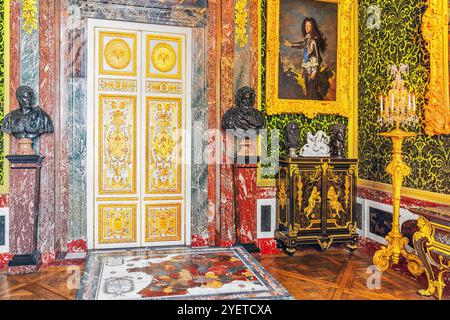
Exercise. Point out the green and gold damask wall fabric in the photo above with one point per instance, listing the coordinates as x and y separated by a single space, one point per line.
279 122
390 38
2 86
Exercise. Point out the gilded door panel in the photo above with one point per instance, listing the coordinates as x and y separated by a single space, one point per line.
117 223
163 172
164 56
138 110
117 144
163 222
118 53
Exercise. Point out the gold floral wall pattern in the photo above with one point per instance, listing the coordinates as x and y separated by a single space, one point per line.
398 39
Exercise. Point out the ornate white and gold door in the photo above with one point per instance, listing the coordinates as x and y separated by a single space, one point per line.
139 121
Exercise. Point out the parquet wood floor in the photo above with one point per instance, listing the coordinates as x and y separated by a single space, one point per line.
338 275
308 275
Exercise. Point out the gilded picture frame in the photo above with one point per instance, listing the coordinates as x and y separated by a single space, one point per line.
435 31
346 66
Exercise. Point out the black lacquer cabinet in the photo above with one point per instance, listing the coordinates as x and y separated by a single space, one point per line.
316 202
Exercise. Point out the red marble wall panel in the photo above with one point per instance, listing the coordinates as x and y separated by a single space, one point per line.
4 258
267 192
199 241
268 246
246 195
386 198
79 245
4 201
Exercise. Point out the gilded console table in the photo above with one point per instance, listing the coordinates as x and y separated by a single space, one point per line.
432 243
316 202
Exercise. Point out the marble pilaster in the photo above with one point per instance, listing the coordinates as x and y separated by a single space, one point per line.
213 87
227 225
48 64
14 62
246 195
24 209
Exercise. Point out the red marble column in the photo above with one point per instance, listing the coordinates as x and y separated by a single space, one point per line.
227 226
23 215
246 196
213 87
14 63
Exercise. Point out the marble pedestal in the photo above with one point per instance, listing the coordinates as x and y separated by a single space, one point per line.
24 205
246 196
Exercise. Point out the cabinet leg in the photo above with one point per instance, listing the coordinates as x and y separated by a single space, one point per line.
352 247
290 251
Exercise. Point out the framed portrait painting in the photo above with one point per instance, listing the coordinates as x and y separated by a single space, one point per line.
436 32
312 57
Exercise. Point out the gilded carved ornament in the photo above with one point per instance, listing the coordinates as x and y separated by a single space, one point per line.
435 33
117 53
282 196
164 57
29 16
241 20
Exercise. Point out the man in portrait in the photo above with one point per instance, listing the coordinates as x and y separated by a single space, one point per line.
313 45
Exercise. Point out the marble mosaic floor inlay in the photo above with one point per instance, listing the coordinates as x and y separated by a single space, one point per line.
177 273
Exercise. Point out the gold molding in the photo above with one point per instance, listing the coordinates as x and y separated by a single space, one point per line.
29 16
347 60
149 55
435 32
101 53
407 192
115 199
241 22
168 198
4 188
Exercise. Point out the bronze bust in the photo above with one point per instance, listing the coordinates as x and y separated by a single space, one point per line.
337 140
29 121
292 138
244 116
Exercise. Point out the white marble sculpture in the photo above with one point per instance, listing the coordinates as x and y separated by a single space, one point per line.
317 145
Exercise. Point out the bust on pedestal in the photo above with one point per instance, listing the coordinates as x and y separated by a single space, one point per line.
25 124
245 122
